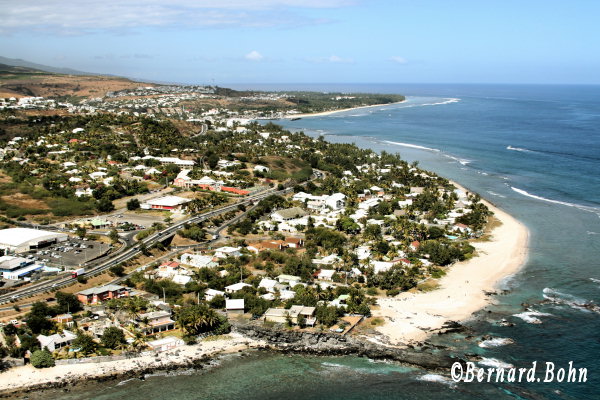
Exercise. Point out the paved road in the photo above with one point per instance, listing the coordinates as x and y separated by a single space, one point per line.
128 253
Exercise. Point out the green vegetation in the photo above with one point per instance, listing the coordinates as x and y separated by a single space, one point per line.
42 359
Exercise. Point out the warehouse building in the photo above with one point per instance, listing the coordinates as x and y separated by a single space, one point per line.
21 240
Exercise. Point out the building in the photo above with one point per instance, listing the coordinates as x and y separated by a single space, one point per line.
335 201
281 315
226 251
21 240
234 306
267 245
64 319
169 203
294 243
17 267
236 287
212 293
197 260
56 341
166 343
102 293
156 322
291 280
325 274
288 214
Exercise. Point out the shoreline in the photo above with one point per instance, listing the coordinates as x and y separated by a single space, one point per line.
18 380
466 288
326 113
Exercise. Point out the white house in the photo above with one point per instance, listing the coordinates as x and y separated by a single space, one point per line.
212 293
197 260
261 168
234 306
236 287
226 251
56 341
325 274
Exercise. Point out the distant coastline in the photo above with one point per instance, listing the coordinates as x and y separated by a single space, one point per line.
325 113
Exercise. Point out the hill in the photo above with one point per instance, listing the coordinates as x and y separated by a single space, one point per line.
17 62
25 80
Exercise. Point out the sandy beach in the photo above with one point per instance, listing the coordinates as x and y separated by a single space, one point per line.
20 378
325 113
411 317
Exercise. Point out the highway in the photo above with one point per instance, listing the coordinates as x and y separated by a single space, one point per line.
128 253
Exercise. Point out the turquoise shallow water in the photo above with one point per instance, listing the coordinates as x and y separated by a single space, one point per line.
532 150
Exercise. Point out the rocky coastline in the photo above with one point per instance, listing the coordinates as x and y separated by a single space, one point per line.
272 339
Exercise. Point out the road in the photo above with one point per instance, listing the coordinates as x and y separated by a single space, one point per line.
131 252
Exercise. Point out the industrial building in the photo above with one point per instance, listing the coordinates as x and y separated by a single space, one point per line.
21 240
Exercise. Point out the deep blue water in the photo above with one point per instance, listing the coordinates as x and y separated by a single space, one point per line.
533 151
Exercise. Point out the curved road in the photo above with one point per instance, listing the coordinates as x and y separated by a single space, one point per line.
131 252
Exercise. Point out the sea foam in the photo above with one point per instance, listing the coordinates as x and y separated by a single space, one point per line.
531 316
436 378
495 363
574 302
496 342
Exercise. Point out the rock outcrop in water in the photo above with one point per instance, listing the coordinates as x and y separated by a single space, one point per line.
329 344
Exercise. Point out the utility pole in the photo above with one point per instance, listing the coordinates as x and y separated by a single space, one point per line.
164 296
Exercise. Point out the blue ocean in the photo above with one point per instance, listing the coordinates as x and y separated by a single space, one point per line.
534 151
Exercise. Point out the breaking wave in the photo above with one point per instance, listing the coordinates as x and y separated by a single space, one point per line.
522 149
531 317
461 161
496 342
574 302
594 210
414 146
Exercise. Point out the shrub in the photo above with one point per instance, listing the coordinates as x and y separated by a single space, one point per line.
42 359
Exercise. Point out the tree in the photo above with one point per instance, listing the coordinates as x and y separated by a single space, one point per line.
113 235
113 338
301 320
105 205
84 343
133 204
81 232
42 359
37 319
117 270
67 302
197 318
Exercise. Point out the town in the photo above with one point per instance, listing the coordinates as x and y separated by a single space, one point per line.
128 232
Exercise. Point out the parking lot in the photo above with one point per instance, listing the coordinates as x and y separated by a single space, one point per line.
141 220
71 253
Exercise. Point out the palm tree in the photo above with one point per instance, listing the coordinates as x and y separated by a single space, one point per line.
139 340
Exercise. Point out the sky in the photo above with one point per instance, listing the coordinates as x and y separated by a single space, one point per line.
311 41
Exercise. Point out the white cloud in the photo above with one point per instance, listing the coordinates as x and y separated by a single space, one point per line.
254 56
399 60
83 16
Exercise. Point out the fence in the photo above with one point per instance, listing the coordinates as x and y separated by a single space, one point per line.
101 359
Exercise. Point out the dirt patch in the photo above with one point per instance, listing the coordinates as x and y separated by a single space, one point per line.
180 241
22 200
3 177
